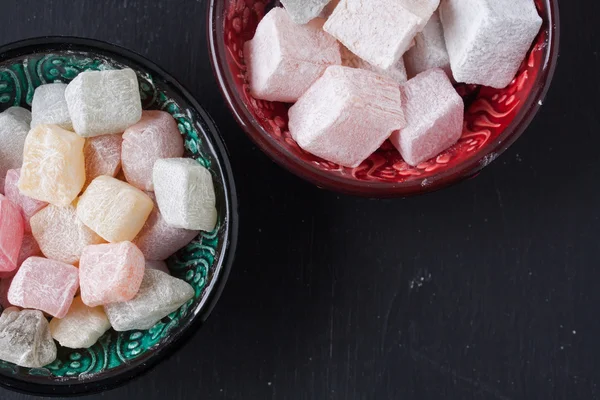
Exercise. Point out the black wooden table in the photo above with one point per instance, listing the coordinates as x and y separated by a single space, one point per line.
487 290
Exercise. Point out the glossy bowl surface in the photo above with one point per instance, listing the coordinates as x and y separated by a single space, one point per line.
204 263
494 118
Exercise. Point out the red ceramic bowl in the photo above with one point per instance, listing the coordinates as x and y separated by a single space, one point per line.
494 118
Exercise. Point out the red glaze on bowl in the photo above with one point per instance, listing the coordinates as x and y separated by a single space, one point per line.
494 118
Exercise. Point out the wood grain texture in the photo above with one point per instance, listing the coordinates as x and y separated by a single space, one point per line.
487 290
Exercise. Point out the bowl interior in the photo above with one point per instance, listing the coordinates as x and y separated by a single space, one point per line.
492 116
203 263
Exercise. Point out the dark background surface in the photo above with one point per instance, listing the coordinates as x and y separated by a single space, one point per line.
487 290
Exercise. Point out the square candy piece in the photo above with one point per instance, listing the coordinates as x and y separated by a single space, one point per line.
434 115
104 102
102 156
429 50
25 339
185 194
81 327
49 106
110 273
160 294
346 115
61 235
53 165
379 31
284 59
158 240
113 209
27 205
397 72
156 136
14 126
46 285
303 11
12 227
487 40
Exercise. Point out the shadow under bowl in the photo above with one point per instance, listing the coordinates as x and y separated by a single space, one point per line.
205 263
494 118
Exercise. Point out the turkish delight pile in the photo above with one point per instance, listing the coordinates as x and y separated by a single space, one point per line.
362 72
96 195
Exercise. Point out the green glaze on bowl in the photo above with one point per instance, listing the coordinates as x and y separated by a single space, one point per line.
195 263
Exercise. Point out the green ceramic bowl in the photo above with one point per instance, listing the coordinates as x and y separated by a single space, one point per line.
205 263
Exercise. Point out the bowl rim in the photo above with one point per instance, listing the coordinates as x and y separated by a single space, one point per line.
330 181
223 265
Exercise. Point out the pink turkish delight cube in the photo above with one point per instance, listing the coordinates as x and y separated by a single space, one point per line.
156 136
158 240
110 273
434 114
12 227
284 59
27 205
45 285
347 115
102 157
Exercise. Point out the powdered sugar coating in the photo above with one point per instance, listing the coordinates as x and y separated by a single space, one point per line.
45 285
379 31
53 165
110 273
158 240
14 126
61 235
434 114
27 205
25 339
429 50
156 136
104 102
102 156
185 194
487 40
49 106
346 115
284 58
81 327
302 11
113 209
159 295
12 227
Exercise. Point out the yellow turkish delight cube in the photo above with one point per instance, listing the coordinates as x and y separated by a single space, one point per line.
114 209
53 165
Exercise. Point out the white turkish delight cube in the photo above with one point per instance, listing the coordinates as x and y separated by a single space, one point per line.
346 115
